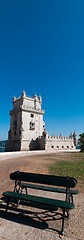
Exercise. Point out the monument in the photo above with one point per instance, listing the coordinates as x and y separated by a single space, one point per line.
27 128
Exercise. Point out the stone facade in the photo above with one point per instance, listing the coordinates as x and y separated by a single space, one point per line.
27 128
26 123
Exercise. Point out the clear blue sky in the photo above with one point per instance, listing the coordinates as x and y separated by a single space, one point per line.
42 51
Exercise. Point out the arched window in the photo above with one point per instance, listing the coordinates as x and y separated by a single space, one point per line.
32 125
32 115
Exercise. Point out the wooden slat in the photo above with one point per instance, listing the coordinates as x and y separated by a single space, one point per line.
44 179
42 200
46 188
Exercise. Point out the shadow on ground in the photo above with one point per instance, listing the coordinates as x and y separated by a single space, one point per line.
41 217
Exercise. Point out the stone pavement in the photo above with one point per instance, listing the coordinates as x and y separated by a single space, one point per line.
31 222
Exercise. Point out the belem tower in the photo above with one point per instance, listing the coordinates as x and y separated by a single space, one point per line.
27 128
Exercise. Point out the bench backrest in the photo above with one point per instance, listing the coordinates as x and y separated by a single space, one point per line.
44 179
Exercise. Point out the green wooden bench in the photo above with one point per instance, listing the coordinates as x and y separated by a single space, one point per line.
58 182
23 180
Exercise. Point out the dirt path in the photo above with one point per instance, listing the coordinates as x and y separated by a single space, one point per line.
40 164
34 163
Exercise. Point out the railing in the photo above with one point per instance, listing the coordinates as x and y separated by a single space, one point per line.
23 107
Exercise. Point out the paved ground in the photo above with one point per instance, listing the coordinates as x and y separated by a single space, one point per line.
8 155
32 222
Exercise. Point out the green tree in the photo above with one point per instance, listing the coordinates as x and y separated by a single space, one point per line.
81 140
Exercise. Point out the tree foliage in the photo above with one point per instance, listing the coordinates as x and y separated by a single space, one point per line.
81 140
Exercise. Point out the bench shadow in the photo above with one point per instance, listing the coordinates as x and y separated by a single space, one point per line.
32 218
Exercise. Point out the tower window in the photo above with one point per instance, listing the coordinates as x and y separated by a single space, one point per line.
32 125
32 115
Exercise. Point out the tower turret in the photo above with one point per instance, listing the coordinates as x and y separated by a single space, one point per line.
75 138
71 135
40 99
23 94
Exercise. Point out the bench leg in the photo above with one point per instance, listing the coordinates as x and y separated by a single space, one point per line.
72 197
18 203
68 214
22 189
68 195
63 217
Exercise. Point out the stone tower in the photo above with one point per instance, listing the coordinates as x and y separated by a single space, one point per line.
26 124
75 138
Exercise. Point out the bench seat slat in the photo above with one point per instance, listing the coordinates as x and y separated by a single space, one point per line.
42 200
46 188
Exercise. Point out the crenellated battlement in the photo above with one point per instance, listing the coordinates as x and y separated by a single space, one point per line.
60 142
54 138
